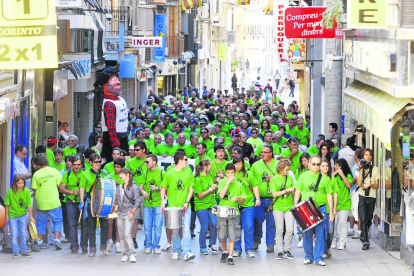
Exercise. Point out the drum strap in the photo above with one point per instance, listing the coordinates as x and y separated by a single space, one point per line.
136 171
317 182
268 168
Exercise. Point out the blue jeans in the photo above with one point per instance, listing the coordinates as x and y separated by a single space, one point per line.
246 220
329 234
175 234
319 231
17 226
206 218
260 215
292 90
152 221
72 210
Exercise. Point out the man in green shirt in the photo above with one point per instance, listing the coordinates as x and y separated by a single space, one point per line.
279 139
254 140
167 148
191 149
263 170
44 183
292 153
291 128
302 133
309 186
314 149
268 140
201 151
232 194
71 149
57 162
150 187
69 186
205 138
52 144
109 167
179 184
218 164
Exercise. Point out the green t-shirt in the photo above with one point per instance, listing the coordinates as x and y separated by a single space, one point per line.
135 164
58 167
203 183
303 135
306 184
50 155
344 196
152 177
164 149
259 171
209 144
247 182
282 141
88 165
277 184
234 189
312 150
72 183
18 202
293 131
255 142
178 184
191 151
294 162
334 187
90 177
109 168
276 149
212 154
298 174
216 167
46 182
68 151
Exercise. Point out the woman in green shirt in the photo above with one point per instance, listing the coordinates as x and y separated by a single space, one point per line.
344 180
282 188
265 126
303 165
204 200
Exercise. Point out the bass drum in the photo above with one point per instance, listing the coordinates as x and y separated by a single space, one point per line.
103 198
2 216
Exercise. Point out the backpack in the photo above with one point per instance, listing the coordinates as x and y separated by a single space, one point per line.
291 83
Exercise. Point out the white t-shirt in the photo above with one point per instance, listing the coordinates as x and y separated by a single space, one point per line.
374 177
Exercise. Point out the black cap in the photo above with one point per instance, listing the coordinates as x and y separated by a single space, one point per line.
105 75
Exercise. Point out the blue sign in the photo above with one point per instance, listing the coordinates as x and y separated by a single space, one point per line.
127 67
160 27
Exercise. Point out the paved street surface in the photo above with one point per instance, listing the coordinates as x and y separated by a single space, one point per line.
352 261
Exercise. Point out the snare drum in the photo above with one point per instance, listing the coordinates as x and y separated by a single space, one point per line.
3 221
307 214
173 217
32 230
103 198
224 211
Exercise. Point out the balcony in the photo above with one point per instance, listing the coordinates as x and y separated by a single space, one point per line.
231 36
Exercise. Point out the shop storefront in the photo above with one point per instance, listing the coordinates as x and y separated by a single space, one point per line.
389 123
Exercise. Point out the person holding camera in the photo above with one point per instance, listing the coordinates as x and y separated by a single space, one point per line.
368 182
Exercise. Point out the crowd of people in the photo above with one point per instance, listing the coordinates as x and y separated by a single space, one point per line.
250 153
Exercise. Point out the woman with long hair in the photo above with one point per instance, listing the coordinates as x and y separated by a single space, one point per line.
303 165
204 200
282 187
325 153
246 217
329 229
264 126
344 180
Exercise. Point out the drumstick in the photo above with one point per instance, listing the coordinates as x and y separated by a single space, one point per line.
80 216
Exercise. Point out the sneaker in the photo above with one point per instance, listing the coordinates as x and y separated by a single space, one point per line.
15 256
300 243
279 256
212 249
223 259
220 247
341 246
132 259
204 251
167 247
356 235
92 254
270 249
84 250
288 255
321 263
26 255
307 262
236 254
334 242
148 250
365 247
42 244
125 258
157 251
230 261
256 246
109 246
351 233
58 245
189 256
118 248
175 256
250 254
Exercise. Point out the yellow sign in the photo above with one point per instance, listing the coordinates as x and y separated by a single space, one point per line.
28 34
367 14
223 52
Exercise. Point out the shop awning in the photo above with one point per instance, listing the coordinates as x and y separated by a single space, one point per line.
374 108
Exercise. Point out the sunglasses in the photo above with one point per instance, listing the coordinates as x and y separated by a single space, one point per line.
265 152
203 132
254 132
97 162
316 164
137 149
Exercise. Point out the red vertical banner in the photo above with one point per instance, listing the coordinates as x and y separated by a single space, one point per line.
279 8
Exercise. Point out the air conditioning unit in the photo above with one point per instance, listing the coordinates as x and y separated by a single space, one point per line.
215 19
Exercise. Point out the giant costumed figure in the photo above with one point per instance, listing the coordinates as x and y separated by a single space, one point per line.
114 113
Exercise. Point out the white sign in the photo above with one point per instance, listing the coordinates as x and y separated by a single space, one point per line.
165 162
68 3
146 42
85 60
11 111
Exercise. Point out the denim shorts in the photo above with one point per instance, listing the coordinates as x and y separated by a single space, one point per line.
228 229
55 216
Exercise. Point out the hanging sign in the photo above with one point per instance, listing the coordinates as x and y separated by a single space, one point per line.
28 34
304 22
160 27
364 14
146 42
280 8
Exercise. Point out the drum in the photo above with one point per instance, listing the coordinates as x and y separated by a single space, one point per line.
103 198
224 211
32 230
2 216
307 214
173 217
